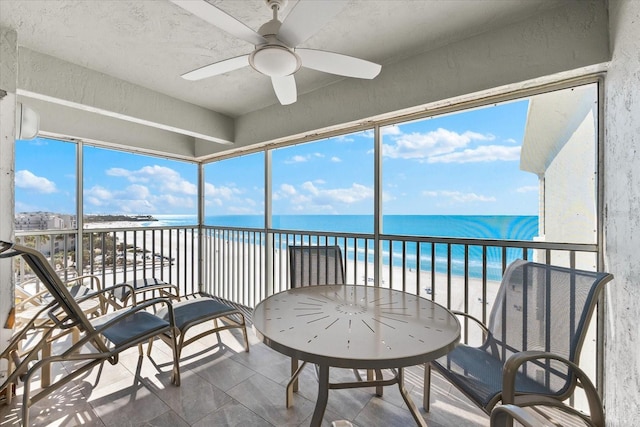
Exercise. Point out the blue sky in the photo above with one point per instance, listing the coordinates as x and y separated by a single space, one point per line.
464 163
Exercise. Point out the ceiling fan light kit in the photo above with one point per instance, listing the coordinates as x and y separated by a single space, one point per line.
274 61
275 54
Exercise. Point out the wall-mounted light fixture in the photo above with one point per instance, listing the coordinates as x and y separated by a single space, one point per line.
27 122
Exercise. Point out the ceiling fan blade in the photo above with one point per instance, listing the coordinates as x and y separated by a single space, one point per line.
336 63
217 68
221 19
285 88
307 18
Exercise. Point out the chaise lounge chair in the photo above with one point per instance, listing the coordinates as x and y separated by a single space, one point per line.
101 339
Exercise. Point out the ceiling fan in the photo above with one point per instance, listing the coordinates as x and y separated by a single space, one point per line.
275 53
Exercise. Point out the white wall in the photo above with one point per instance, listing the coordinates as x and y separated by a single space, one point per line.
622 216
570 193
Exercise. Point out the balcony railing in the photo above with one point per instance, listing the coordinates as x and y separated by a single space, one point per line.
244 265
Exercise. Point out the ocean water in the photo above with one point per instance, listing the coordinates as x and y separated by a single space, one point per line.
498 227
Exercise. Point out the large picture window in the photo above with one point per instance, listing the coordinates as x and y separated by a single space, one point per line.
327 185
45 183
234 191
151 190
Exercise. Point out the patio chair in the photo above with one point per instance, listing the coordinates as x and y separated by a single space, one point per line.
29 303
196 309
315 265
29 306
102 338
312 266
540 316
189 311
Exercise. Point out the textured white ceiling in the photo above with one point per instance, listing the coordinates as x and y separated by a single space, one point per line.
151 43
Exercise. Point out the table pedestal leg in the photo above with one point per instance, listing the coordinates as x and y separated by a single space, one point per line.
407 399
323 396
292 385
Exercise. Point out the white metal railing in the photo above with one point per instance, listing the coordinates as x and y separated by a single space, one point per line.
244 265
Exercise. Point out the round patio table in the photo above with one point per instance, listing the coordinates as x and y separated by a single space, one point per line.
358 327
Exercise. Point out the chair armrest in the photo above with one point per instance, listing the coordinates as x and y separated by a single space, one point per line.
95 281
95 286
502 415
34 300
514 362
482 326
105 299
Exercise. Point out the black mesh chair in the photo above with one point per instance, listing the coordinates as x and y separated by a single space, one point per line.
539 318
315 265
311 266
100 339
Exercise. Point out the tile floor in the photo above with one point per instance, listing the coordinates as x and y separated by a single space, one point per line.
224 386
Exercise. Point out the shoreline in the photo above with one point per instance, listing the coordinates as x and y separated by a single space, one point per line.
421 283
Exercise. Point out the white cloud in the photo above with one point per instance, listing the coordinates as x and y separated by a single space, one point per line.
118 172
28 181
425 145
343 138
160 177
137 198
459 197
336 159
288 189
310 196
484 153
527 189
222 192
297 159
353 194
391 130
137 191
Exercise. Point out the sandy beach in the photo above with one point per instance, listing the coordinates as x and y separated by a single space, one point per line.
236 269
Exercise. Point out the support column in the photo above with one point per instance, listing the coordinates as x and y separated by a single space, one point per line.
622 213
8 83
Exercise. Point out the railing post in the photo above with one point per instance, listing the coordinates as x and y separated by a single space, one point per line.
201 201
268 236
377 217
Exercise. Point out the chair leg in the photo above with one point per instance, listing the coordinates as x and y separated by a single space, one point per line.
149 347
176 346
427 387
45 380
246 339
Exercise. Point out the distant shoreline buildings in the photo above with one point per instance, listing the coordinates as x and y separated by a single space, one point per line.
27 221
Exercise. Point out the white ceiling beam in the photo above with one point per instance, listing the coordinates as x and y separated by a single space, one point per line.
66 122
55 81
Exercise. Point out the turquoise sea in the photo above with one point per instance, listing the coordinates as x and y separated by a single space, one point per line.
499 227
